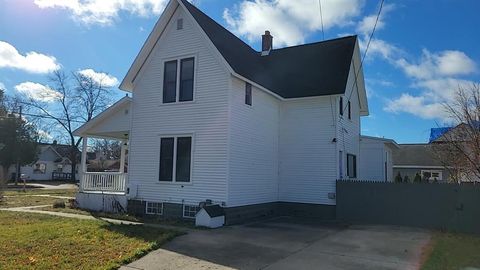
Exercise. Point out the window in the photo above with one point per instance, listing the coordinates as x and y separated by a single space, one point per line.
59 168
39 168
186 79
178 87
340 164
154 208
432 174
248 94
349 110
175 159
341 106
170 82
190 211
180 24
351 166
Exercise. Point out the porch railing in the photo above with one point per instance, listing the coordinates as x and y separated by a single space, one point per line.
104 182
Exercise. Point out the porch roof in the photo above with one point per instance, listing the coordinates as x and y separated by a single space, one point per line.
113 123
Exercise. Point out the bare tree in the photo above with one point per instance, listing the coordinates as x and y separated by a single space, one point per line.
459 148
75 99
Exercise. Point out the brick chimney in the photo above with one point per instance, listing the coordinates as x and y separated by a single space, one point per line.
267 42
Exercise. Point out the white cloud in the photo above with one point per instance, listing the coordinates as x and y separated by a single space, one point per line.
38 91
288 21
444 63
99 77
31 62
417 105
104 12
436 75
2 86
365 26
44 135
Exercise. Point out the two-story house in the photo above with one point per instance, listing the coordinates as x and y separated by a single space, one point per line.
213 120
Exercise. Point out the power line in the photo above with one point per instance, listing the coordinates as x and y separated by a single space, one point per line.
364 53
321 18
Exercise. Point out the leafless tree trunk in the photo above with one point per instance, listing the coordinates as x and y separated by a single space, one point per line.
459 148
77 100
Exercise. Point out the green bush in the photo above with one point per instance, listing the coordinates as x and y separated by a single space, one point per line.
398 178
417 178
406 179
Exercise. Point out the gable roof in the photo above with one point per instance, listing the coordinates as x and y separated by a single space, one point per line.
415 155
314 69
214 210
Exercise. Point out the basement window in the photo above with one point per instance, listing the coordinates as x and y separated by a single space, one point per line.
190 211
154 208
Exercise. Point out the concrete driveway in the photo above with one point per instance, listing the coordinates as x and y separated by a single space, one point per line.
290 243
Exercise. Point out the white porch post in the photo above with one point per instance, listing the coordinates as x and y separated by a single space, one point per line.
122 157
84 161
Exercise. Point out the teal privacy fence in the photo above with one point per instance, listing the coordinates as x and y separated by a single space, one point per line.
451 207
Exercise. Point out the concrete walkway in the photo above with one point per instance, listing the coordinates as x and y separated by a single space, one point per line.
289 243
32 209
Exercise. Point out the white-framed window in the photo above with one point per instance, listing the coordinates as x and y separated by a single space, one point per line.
39 168
432 175
154 208
190 210
175 159
340 104
351 166
178 80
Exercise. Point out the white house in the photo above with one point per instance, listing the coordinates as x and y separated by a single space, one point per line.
376 158
53 163
257 132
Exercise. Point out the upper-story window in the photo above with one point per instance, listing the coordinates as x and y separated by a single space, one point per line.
178 86
349 110
341 106
248 94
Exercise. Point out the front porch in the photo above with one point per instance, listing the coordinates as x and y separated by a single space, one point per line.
111 124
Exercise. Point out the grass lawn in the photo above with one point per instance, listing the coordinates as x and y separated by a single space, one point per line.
20 198
453 251
30 241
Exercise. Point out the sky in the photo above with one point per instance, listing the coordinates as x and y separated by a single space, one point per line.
421 51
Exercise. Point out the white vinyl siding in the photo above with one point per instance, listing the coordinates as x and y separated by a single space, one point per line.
253 170
206 118
308 163
348 130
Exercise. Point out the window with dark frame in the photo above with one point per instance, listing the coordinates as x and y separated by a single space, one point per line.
184 82
349 110
175 159
166 159
341 105
186 79
248 94
351 166
170 82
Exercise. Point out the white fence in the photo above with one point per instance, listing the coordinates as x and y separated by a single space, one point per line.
104 181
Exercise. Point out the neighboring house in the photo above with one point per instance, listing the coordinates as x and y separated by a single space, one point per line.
411 159
376 158
211 119
53 163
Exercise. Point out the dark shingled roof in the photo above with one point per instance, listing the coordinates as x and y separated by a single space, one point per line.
314 69
415 155
214 210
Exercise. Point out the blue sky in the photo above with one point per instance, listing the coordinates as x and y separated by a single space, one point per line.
422 50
